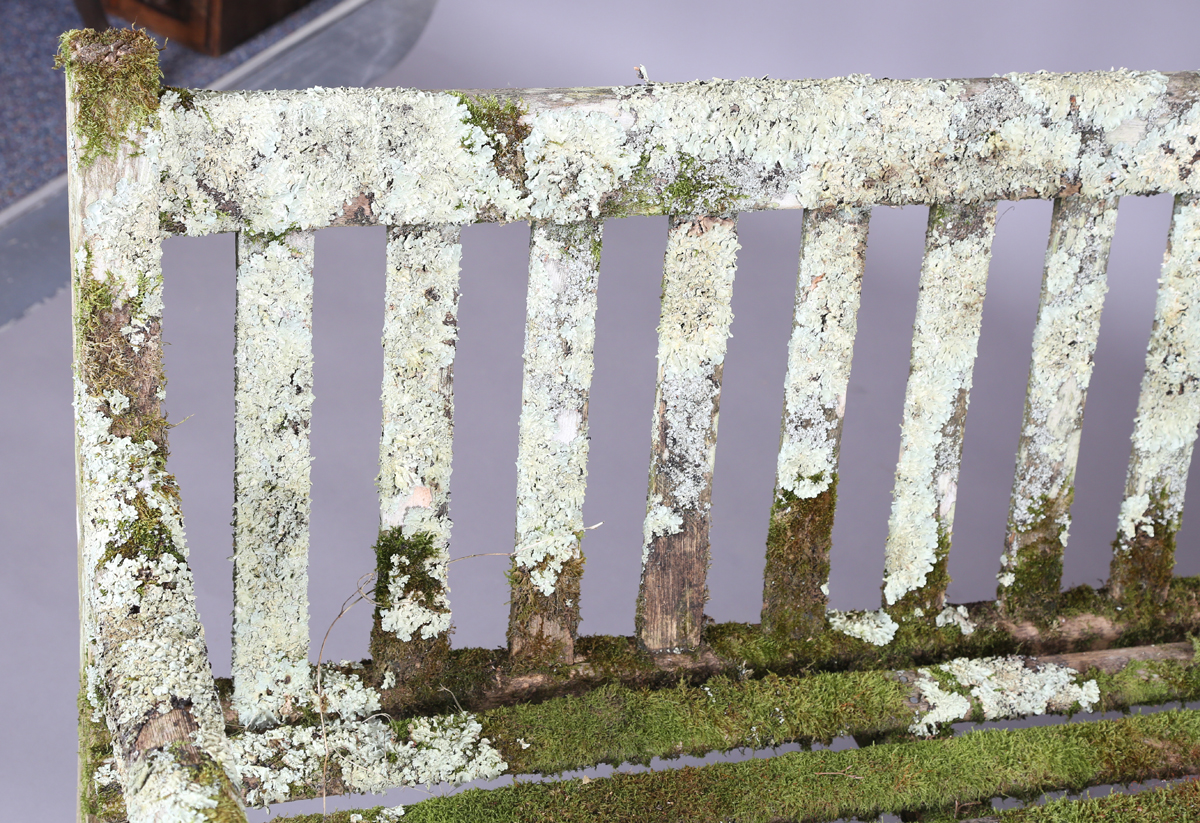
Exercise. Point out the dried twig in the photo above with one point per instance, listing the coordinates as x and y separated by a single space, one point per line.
349 603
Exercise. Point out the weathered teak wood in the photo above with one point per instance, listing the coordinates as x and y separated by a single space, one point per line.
275 167
696 314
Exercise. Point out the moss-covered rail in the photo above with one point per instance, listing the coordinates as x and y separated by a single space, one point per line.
160 739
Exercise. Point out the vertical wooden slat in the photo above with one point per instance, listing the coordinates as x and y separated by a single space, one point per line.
420 338
560 330
958 248
701 261
272 407
832 255
1165 428
1064 342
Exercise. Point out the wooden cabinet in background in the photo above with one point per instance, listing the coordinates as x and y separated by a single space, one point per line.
208 26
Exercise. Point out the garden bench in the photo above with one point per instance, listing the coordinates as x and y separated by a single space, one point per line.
161 740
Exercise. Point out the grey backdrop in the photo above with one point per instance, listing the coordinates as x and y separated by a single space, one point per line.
478 44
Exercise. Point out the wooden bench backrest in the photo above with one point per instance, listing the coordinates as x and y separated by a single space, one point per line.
147 163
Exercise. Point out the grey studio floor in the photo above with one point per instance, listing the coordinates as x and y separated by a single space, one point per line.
478 44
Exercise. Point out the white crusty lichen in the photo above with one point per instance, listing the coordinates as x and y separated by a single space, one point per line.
172 797
1169 407
420 338
232 160
958 248
272 408
143 645
1064 342
368 754
944 706
877 628
140 623
955 616
1004 687
824 323
660 521
409 614
701 261
343 693
560 332
276 161
572 159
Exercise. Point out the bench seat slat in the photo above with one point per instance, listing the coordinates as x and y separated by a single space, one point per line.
1167 415
1064 343
273 373
560 332
696 315
832 256
958 249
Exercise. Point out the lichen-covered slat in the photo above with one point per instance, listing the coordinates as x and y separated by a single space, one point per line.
701 261
420 338
560 332
145 661
1165 428
1064 341
401 156
832 255
272 406
958 249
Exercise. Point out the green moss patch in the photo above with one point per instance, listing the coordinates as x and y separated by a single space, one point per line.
419 662
1037 572
500 121
799 539
98 805
944 779
541 628
1141 568
114 78
615 724
1171 804
414 551
697 189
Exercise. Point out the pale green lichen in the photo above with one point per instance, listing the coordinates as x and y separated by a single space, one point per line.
426 158
1003 687
694 326
877 628
272 407
945 336
420 337
560 330
1168 407
368 756
821 347
573 159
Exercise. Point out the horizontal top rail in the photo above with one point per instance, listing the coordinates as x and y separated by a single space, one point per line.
269 162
